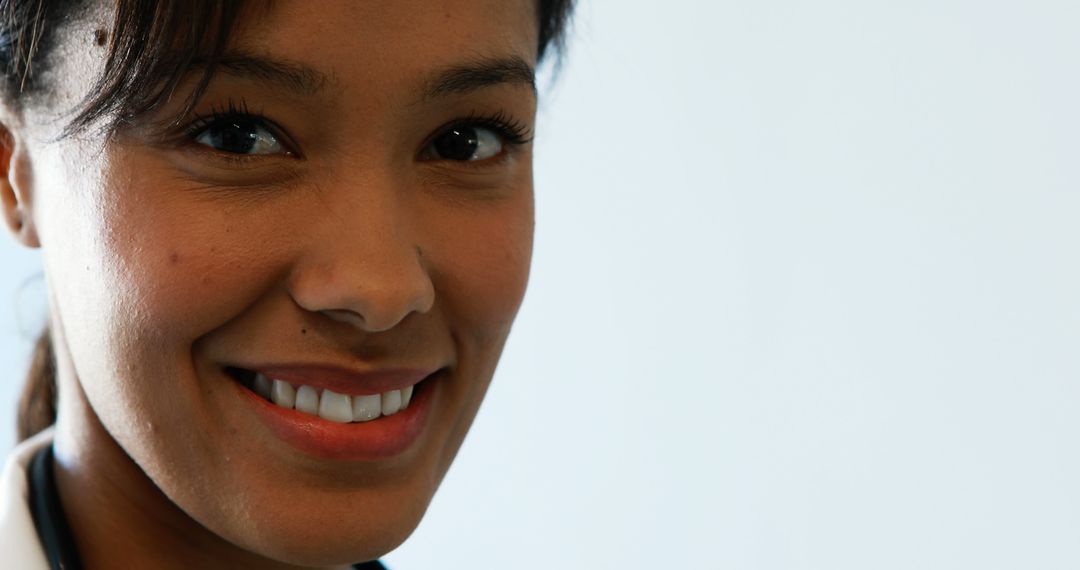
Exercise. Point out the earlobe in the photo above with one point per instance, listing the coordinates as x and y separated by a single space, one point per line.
15 191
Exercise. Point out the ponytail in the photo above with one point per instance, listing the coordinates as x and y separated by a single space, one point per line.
37 405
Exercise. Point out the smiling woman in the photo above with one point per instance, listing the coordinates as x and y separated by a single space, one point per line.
284 245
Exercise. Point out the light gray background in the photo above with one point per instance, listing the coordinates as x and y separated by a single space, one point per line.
805 296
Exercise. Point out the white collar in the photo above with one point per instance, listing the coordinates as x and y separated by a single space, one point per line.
18 539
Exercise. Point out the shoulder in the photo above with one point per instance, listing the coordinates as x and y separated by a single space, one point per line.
19 543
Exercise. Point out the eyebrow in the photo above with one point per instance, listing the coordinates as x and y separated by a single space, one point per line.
303 79
293 76
481 73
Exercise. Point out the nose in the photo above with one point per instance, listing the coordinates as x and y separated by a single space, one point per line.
363 270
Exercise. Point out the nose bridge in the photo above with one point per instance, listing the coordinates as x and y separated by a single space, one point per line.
363 264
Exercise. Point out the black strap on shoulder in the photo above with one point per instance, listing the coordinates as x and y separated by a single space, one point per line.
48 514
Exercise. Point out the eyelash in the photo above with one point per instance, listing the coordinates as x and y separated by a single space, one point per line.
233 110
514 133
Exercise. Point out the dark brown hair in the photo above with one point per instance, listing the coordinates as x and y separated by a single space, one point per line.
151 47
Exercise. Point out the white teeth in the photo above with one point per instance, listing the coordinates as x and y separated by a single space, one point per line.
307 400
331 405
391 402
263 386
366 407
335 407
283 394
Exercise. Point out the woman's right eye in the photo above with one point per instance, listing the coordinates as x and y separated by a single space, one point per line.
239 134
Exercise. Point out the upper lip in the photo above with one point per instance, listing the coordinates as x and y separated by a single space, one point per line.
343 380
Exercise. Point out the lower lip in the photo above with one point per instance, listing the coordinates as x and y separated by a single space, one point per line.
373 440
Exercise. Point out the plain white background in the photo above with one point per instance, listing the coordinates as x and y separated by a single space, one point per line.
805 296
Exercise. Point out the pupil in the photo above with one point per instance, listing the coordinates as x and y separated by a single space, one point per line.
234 137
459 143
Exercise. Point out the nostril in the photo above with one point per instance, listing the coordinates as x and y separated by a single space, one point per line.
345 316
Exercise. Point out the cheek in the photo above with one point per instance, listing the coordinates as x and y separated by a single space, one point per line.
192 276
187 263
140 270
481 268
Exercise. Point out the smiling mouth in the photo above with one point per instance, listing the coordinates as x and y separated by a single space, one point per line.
324 403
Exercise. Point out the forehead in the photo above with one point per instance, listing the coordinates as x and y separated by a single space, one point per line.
356 44
361 43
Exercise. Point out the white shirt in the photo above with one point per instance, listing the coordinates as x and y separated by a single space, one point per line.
19 544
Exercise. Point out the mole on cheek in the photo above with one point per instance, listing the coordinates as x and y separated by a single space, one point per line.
174 258
100 37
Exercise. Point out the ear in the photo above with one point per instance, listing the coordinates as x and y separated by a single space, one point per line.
15 188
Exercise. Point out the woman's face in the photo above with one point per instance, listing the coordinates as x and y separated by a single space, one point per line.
357 218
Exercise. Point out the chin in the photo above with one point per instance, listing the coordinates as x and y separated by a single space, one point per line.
338 539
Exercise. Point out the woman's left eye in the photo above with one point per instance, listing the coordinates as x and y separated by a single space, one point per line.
239 135
466 143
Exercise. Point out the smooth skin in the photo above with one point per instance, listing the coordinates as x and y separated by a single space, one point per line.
351 242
